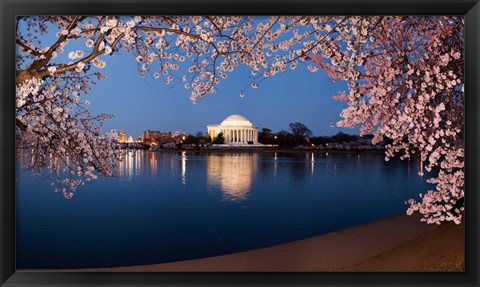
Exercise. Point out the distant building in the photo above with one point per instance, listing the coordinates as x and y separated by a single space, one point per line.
158 138
118 136
235 129
177 136
151 137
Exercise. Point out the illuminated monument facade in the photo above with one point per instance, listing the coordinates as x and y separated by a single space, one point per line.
236 129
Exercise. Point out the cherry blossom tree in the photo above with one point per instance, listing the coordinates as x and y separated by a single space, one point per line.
404 75
53 119
406 82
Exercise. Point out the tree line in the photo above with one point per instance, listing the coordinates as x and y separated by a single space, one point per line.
299 134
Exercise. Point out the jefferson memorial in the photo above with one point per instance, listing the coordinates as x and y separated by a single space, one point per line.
235 129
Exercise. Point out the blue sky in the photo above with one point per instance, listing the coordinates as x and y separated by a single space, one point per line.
146 103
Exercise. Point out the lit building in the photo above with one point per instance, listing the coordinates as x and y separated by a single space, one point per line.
178 134
235 129
151 137
118 136
157 138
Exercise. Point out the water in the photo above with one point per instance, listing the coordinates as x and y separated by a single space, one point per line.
167 207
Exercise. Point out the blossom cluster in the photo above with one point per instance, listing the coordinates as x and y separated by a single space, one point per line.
408 88
60 134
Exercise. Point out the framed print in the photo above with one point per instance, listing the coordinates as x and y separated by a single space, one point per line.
240 143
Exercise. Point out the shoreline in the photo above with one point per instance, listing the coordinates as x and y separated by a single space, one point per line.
266 150
395 244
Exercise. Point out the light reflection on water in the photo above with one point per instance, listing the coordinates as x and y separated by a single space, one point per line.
233 173
184 167
168 206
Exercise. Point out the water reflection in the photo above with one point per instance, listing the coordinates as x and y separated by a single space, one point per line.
313 162
275 160
137 162
153 162
184 167
233 173
126 167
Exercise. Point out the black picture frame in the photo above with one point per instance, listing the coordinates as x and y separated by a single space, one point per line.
10 8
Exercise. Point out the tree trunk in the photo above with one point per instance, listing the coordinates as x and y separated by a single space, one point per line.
24 75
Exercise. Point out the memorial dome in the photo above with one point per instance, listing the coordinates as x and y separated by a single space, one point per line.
236 120
236 129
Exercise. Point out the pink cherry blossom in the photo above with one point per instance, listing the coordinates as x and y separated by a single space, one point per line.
409 88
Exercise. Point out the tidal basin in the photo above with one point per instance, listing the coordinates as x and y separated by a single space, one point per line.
172 206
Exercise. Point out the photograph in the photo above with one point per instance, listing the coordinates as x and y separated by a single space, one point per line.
239 143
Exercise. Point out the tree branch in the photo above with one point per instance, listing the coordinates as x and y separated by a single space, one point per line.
37 64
